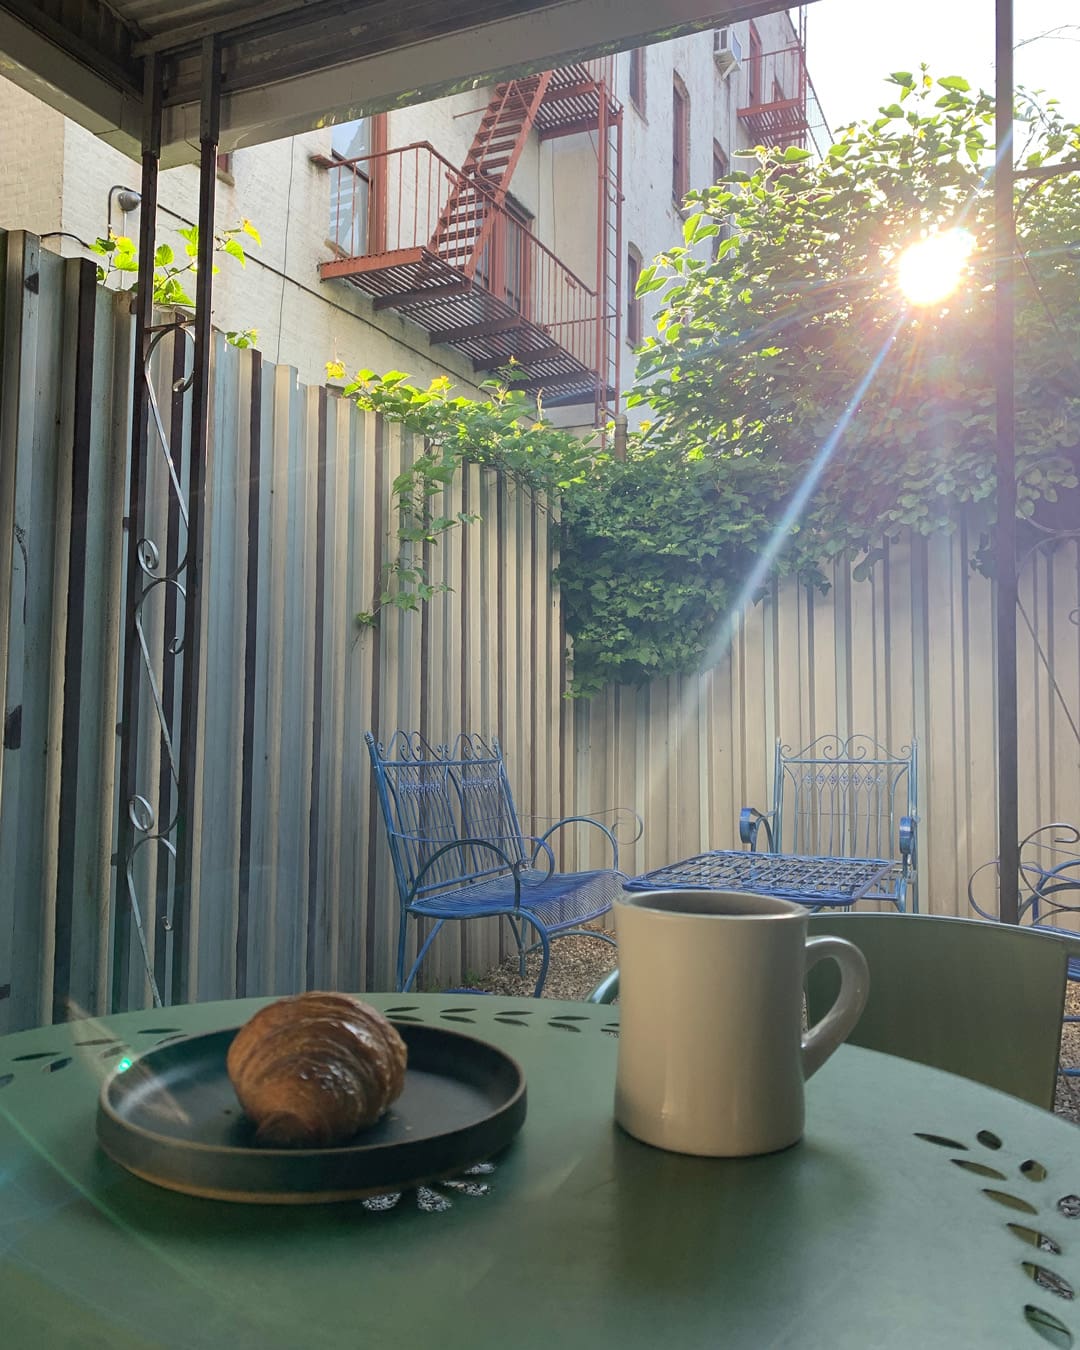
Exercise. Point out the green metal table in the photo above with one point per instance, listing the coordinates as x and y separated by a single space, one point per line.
920 1210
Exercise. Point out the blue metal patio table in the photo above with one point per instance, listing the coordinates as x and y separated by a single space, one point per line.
906 1217
816 882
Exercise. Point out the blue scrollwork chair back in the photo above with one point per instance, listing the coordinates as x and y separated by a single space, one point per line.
1049 894
844 798
459 852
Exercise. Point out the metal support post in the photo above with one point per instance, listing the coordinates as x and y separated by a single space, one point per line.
1004 302
129 804
187 834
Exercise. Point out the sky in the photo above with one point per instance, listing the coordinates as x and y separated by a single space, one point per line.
852 45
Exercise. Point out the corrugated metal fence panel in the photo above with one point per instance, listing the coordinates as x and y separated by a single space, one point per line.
293 886
64 391
908 651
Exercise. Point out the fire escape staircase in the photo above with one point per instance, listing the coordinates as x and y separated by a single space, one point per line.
466 223
550 331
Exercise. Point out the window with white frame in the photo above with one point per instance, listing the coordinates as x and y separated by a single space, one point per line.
350 186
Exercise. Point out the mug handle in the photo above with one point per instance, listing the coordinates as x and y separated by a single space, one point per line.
824 1036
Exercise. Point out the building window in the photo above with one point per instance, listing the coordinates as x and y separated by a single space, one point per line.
633 301
350 186
753 68
637 79
720 170
503 268
680 140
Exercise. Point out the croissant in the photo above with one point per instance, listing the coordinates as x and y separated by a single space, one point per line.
312 1070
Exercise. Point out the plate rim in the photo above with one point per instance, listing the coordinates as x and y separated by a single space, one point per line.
117 1121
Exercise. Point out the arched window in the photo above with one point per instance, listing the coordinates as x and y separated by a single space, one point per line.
753 68
680 140
633 303
637 79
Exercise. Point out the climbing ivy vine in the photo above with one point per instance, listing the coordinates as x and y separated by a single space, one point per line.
503 432
120 259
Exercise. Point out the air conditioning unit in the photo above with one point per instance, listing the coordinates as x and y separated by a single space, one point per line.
727 50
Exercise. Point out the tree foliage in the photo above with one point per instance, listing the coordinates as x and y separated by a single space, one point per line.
793 344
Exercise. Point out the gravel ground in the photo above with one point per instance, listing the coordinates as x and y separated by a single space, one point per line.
578 964
1067 1098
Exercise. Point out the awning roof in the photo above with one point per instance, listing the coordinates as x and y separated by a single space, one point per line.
290 65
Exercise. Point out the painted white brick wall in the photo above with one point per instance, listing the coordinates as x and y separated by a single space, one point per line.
301 321
31 162
651 221
55 175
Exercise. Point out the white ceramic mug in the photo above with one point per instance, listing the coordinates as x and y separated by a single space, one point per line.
712 1056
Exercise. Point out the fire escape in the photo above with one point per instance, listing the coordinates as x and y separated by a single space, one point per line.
449 249
782 108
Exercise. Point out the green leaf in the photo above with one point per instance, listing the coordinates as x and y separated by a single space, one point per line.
956 82
794 153
235 249
163 255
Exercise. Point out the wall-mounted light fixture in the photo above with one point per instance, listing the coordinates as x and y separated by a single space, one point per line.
127 199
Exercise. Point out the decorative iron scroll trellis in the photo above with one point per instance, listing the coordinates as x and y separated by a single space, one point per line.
150 824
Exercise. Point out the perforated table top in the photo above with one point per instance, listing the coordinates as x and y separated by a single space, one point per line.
920 1210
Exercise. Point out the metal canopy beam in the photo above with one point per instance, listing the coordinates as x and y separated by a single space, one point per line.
291 65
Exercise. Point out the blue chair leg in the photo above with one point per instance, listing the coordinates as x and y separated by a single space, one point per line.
545 943
420 956
1070 1072
402 933
519 938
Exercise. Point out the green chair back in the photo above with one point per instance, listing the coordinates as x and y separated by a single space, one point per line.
982 1000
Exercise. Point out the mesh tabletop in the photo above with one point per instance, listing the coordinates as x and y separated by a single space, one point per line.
834 881
920 1210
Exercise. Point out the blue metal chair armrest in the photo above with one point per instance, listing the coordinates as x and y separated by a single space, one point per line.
750 821
584 820
907 841
607 991
983 913
540 844
514 867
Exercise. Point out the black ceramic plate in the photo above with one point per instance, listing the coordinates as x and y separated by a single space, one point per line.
172 1118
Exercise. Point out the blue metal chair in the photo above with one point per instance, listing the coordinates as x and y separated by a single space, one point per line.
458 850
844 799
1049 891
